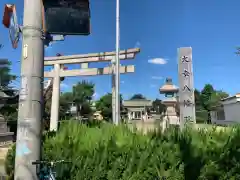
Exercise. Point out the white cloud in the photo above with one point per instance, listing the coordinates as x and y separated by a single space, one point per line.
49 46
137 44
161 61
157 77
64 86
95 96
105 93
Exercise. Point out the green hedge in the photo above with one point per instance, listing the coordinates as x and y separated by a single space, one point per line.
109 152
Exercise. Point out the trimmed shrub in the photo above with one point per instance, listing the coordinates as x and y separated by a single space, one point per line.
10 162
110 152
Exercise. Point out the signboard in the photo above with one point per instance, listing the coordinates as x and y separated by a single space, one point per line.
10 22
67 17
186 87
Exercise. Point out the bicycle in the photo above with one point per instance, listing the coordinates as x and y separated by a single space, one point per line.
45 171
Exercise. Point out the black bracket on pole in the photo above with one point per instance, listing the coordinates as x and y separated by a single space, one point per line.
48 38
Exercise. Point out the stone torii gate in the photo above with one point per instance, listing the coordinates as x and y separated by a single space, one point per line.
84 60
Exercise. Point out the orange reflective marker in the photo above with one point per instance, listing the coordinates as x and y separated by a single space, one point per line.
10 22
8 11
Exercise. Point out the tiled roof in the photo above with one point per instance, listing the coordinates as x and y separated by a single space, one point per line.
231 97
137 103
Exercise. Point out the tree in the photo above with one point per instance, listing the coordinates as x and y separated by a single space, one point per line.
221 94
9 110
82 93
158 107
80 96
137 96
206 95
238 51
66 100
216 98
104 104
197 96
210 98
86 109
5 76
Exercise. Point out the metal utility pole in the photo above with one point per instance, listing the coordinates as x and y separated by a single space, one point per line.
28 146
117 109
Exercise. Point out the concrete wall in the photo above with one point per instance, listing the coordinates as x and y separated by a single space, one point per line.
143 126
232 112
231 115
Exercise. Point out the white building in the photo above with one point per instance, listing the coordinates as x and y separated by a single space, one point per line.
228 112
137 109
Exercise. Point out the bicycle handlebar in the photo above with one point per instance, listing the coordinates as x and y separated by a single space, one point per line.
39 162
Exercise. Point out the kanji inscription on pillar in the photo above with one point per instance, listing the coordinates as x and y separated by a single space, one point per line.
186 86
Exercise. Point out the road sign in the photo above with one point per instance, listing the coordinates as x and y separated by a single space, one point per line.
10 22
67 17
186 87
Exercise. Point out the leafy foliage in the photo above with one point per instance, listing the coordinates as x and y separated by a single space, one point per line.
110 152
5 76
137 96
82 93
10 162
197 96
9 110
158 106
104 105
206 95
65 102
207 100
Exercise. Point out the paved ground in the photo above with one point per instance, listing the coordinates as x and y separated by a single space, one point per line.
3 152
2 170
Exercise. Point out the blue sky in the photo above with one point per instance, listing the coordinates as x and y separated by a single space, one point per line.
158 27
